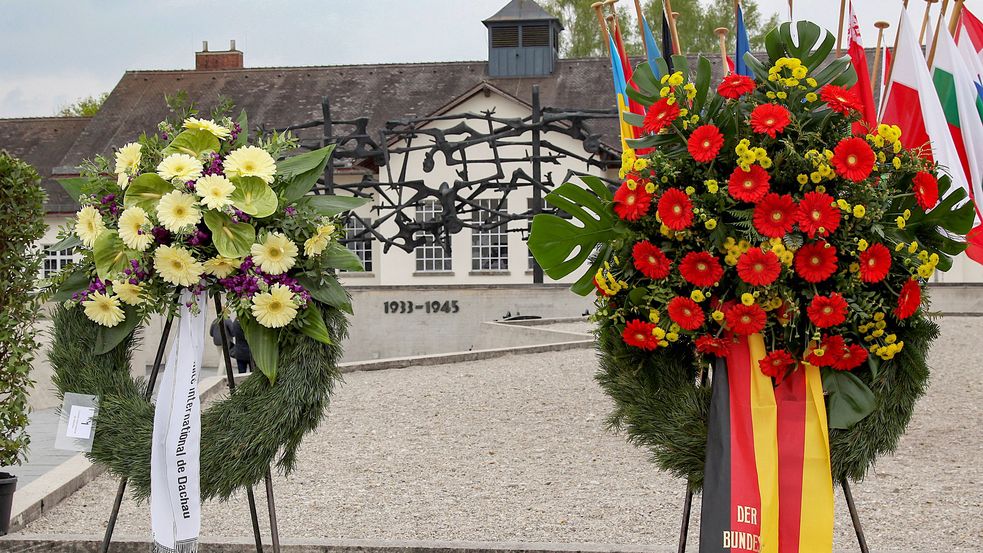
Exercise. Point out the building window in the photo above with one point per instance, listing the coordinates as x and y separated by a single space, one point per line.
56 260
359 241
490 244
432 256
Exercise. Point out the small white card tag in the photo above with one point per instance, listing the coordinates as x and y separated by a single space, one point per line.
77 423
80 422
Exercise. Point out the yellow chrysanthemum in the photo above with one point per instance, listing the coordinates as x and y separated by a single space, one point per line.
103 309
128 159
131 223
250 161
276 308
207 125
89 225
129 293
276 255
180 167
215 191
177 266
177 211
221 267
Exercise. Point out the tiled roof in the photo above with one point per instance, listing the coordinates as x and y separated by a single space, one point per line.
43 142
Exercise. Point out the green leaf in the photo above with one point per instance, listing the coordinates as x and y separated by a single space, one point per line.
850 400
70 241
145 191
940 230
110 254
647 81
560 246
194 142
264 344
243 137
302 171
680 63
704 72
338 256
73 186
326 289
312 324
329 206
253 196
231 239
75 282
108 338
634 119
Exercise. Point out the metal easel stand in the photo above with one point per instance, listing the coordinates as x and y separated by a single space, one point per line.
230 381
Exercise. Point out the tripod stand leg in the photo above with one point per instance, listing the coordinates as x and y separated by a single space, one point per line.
684 527
271 506
854 516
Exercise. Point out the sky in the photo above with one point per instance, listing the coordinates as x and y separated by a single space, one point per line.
57 51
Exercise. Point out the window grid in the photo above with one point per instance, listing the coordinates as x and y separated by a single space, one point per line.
432 256
360 246
56 260
490 247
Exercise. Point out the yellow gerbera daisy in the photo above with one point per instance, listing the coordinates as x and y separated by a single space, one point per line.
177 266
276 308
131 232
129 293
214 191
221 267
180 167
89 225
177 211
276 255
103 309
250 161
128 158
207 125
314 245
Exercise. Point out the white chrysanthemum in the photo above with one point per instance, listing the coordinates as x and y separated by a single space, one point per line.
177 210
276 308
276 255
250 161
131 229
180 167
222 267
215 191
128 159
103 309
177 266
89 225
129 293
207 125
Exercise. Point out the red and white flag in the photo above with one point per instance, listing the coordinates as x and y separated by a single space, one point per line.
862 88
969 40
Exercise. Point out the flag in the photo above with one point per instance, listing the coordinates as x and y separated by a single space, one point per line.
668 49
768 485
743 44
962 105
626 72
862 88
620 87
651 47
969 42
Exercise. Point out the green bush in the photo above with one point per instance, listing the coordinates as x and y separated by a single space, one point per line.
21 226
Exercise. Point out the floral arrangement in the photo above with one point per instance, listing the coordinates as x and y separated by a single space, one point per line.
198 207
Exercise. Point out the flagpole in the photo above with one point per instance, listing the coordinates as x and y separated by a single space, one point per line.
881 25
598 7
667 6
790 17
839 30
935 37
641 26
897 39
722 39
928 9
957 10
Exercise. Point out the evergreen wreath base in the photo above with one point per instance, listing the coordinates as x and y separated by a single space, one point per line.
241 436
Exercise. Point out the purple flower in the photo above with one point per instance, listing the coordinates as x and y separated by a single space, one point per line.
161 235
290 211
239 216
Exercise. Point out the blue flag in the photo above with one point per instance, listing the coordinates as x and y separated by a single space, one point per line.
651 48
743 45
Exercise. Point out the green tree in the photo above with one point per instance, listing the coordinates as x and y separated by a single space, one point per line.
695 24
84 107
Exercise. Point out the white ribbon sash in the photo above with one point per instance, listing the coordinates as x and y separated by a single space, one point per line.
175 499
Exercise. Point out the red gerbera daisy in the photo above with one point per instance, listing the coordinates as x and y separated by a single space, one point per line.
818 214
712 345
749 186
686 313
774 216
875 262
675 209
704 143
650 260
639 334
701 269
827 311
832 348
853 159
745 319
629 204
769 119
816 261
776 364
909 299
840 99
660 115
853 356
734 86
926 190
758 267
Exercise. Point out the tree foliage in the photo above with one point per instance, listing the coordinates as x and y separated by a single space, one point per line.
21 225
84 107
695 25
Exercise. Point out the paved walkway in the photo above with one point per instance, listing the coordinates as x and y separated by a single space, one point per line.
42 455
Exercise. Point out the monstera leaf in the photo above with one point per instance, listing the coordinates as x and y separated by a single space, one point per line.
231 239
253 196
560 246
145 191
940 230
194 142
812 48
850 400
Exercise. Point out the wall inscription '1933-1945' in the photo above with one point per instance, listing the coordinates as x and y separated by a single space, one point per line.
406 307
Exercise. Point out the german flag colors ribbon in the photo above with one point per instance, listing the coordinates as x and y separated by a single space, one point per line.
768 485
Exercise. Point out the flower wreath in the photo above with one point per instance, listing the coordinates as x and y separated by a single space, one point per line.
198 207
769 208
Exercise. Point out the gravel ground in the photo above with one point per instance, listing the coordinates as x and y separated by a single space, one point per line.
515 449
